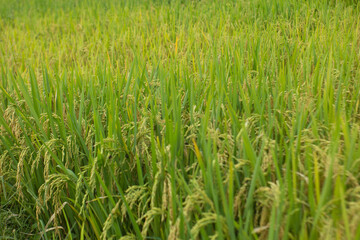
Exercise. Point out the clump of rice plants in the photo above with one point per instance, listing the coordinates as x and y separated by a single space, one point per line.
179 119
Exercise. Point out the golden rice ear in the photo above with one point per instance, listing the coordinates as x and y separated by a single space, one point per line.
51 191
92 179
128 237
4 157
175 230
210 218
138 199
240 198
149 217
80 185
20 173
115 212
84 206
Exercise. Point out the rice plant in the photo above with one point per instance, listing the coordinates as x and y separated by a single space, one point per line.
180 119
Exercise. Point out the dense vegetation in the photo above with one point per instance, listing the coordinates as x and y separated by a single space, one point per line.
179 119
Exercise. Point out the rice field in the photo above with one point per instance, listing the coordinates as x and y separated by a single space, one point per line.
179 119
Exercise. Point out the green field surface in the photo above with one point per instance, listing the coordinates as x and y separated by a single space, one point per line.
180 119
